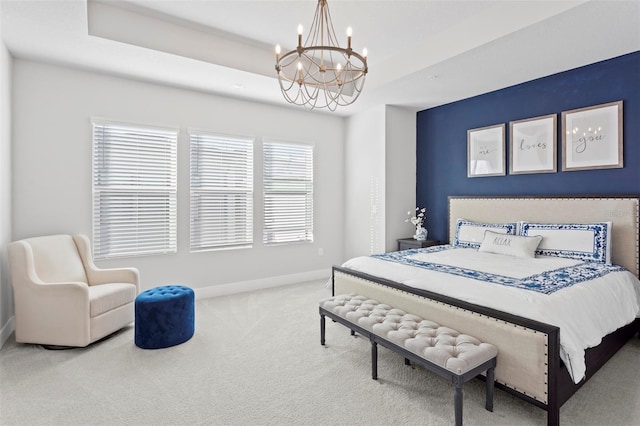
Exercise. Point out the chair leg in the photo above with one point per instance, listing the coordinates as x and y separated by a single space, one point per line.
57 347
322 329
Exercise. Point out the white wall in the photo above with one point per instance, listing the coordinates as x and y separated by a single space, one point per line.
52 171
364 183
400 174
6 295
380 179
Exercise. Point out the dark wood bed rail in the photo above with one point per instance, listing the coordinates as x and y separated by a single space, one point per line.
560 386
514 319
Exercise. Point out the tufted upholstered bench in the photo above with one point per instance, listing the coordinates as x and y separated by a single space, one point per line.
456 357
164 316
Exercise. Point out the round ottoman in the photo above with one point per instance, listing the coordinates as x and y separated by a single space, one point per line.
164 316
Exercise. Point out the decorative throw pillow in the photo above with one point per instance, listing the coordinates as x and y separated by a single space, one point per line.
510 245
589 242
471 234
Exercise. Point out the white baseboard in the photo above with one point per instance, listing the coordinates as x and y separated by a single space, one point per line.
221 290
242 286
6 331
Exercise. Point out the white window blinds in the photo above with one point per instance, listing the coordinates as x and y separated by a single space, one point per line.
134 190
221 191
288 192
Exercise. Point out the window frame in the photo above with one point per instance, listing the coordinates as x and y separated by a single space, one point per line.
160 166
249 191
268 238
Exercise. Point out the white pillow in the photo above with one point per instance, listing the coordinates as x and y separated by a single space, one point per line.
510 245
471 234
590 242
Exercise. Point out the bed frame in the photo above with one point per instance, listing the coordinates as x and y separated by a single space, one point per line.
529 364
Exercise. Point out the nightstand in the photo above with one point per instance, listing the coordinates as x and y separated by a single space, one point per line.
410 243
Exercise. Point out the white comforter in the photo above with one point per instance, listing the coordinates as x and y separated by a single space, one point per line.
585 312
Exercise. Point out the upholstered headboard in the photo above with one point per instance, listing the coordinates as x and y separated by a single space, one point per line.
622 211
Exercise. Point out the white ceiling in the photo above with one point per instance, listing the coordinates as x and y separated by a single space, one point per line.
421 53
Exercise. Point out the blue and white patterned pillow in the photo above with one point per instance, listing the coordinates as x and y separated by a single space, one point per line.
589 242
470 234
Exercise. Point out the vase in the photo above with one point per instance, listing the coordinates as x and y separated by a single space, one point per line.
421 234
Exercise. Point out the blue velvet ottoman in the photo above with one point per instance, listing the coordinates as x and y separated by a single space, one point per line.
164 316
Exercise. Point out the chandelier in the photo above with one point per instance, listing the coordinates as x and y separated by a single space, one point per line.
320 73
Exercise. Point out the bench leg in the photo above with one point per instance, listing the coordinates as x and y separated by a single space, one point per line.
374 360
322 329
407 361
490 385
457 403
353 333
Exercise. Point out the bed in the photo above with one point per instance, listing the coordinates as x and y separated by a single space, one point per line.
534 363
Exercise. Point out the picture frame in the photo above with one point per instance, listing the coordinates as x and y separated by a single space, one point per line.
533 144
592 137
486 151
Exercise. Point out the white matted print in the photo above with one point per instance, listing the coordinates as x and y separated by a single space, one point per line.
533 145
485 151
592 137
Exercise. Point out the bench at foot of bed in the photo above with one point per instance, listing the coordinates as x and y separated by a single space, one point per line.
446 352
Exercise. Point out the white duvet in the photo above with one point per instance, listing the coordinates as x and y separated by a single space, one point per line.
584 312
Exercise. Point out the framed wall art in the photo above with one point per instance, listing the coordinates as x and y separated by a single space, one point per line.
592 137
533 145
486 151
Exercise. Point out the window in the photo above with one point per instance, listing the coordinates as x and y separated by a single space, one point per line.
221 191
288 192
134 190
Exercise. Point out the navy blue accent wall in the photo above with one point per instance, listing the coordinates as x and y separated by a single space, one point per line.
442 138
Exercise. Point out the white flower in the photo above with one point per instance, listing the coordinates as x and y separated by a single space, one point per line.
419 218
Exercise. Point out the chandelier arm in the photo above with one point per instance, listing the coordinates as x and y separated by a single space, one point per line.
285 78
346 102
291 100
285 92
331 33
314 90
344 51
317 17
321 74
302 92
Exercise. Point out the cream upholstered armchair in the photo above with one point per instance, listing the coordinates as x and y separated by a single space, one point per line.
61 298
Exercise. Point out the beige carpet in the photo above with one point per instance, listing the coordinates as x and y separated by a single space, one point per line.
256 359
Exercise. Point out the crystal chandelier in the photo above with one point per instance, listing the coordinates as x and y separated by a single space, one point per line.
320 73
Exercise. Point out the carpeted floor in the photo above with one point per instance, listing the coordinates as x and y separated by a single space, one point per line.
256 359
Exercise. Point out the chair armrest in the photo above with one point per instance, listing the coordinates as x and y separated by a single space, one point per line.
51 311
44 302
73 291
97 276
21 264
23 273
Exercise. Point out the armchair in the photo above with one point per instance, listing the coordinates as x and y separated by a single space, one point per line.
61 298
